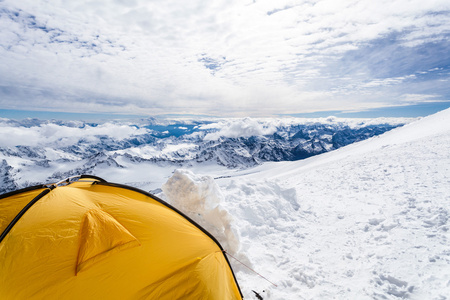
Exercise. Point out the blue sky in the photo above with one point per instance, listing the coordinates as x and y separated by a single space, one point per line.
233 58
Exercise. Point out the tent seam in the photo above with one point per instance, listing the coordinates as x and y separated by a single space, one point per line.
23 211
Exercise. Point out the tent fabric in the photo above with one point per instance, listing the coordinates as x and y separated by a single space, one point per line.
90 239
10 207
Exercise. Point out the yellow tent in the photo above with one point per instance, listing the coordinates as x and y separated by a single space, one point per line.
90 239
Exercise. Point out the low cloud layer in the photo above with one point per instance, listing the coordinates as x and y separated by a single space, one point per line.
61 135
240 128
223 58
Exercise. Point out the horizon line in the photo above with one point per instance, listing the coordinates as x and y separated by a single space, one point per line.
407 111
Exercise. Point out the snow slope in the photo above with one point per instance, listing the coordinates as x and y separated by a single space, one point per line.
367 221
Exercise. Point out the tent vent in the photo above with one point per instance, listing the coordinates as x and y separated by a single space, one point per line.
101 235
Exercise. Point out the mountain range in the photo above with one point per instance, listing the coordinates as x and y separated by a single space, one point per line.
35 151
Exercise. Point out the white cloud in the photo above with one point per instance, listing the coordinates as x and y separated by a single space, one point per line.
226 58
240 128
388 81
419 98
53 134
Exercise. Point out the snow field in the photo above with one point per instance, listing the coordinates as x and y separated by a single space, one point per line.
374 224
367 221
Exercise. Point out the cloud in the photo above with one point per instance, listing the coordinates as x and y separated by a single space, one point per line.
54 134
229 58
239 128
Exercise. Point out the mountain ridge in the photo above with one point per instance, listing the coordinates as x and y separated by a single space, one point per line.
62 149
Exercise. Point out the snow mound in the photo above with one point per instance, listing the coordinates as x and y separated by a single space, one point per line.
200 198
261 203
267 214
260 210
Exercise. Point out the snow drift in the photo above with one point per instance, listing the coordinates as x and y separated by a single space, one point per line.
200 198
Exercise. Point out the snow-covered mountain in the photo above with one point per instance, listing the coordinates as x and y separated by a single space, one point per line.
366 221
146 152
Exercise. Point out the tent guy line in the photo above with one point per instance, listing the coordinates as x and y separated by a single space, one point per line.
250 269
